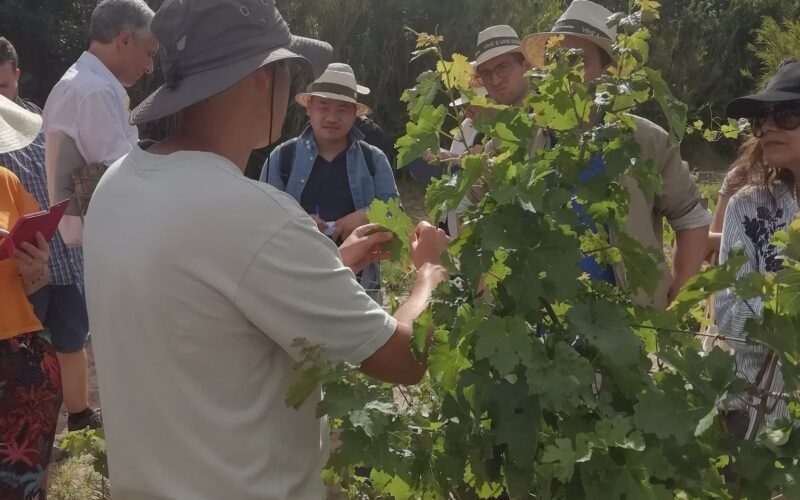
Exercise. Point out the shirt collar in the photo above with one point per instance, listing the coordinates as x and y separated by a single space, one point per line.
96 66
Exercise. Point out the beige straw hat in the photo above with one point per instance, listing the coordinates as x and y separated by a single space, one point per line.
338 82
582 19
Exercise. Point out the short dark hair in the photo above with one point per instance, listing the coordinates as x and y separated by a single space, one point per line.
8 53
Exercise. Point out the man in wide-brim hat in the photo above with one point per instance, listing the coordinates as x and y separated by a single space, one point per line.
584 27
329 169
204 286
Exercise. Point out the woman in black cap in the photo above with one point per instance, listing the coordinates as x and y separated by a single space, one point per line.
766 204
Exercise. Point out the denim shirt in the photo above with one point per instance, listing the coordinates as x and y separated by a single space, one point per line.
364 187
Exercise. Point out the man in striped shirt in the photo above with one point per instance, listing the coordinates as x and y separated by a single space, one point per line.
86 115
60 306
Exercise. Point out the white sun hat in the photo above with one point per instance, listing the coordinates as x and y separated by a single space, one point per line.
337 82
496 41
582 19
18 127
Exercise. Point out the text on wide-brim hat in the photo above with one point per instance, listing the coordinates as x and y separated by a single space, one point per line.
208 46
582 19
338 82
783 87
496 41
18 127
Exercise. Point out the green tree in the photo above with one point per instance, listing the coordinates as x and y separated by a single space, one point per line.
775 41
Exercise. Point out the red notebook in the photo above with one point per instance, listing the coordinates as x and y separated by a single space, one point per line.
26 227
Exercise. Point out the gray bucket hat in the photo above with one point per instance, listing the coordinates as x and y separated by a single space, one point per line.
208 46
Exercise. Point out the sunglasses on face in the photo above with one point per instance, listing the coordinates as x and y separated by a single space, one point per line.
502 70
785 115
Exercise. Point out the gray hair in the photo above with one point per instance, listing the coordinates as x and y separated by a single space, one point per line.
111 17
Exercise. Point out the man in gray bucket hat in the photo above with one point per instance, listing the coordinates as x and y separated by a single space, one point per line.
200 281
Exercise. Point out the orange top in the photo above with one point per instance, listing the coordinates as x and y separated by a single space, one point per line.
16 313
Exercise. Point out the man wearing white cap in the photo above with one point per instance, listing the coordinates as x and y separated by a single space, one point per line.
583 26
329 169
501 70
203 286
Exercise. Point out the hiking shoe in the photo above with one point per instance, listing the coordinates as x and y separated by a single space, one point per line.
90 418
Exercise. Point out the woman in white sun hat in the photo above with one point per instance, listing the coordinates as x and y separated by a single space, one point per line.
30 379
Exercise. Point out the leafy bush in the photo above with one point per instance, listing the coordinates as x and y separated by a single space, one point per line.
544 383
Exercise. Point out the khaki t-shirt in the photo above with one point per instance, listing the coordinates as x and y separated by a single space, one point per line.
198 281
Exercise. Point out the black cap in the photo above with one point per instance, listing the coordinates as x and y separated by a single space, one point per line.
784 86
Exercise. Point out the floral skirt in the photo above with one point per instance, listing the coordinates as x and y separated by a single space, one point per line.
30 398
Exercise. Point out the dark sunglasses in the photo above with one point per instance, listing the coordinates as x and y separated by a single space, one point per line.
786 116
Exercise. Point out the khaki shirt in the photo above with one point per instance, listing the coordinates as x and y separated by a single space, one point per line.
680 201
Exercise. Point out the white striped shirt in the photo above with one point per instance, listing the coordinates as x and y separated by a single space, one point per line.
90 106
753 216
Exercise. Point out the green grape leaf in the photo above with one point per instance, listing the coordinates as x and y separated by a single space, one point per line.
564 456
504 342
667 415
605 326
641 263
422 135
712 280
445 194
423 94
788 281
674 110
618 431
446 363
456 74
391 217
517 427
499 270
789 240
391 485
373 418
563 382
423 326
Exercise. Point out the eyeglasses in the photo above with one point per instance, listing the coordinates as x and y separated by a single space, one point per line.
785 116
502 70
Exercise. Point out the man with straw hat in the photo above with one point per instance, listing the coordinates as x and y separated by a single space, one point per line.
205 288
500 73
329 169
583 27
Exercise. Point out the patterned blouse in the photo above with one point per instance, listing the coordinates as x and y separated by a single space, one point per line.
753 216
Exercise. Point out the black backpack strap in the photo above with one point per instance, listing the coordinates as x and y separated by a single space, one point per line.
367 152
288 151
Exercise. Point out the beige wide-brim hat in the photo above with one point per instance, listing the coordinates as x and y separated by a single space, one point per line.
494 42
18 127
338 82
582 19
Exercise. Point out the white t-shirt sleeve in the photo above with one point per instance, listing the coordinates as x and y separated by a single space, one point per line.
296 287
